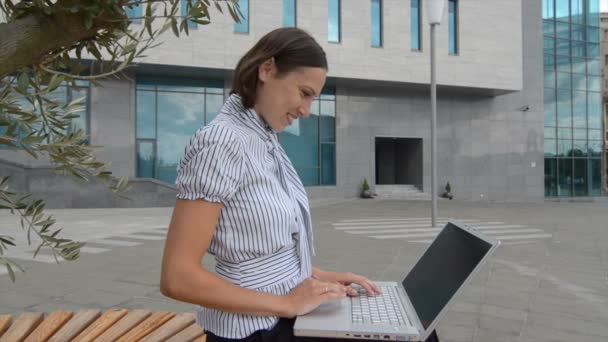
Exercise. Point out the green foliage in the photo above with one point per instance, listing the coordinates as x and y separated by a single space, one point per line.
35 121
365 186
448 188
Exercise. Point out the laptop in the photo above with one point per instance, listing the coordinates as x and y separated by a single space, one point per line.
410 310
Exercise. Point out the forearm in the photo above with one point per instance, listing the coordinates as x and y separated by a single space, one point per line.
201 287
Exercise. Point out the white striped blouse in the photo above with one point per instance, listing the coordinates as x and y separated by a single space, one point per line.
263 239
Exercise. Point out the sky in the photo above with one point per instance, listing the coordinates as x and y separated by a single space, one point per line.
604 5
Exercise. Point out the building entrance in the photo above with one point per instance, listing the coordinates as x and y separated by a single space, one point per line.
399 161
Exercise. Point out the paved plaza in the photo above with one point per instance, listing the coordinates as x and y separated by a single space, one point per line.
547 282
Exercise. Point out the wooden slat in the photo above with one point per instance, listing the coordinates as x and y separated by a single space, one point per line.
49 326
5 322
23 326
77 324
120 328
100 325
189 334
172 327
147 326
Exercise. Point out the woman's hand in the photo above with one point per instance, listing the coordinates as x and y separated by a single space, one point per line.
346 279
310 294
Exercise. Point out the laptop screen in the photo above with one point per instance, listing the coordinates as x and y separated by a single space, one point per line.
442 269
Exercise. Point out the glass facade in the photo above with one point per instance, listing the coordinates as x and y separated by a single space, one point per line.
415 25
572 108
243 26
311 143
169 111
333 21
289 13
376 23
453 27
184 10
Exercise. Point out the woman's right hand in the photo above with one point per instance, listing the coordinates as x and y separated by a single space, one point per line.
310 294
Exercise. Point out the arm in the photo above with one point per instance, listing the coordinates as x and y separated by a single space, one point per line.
184 279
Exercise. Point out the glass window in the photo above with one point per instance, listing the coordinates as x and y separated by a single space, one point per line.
564 147
593 50
563 80
595 177
310 143
562 30
549 62
548 45
563 63
550 108
564 133
595 148
550 177
579 82
146 115
550 79
565 177
549 27
593 34
579 134
562 10
135 11
594 109
578 48
564 108
579 118
579 148
333 21
550 132
453 26
580 177
243 25
562 47
179 107
213 104
289 13
594 83
185 6
415 25
548 9
578 11
145 159
376 23
593 18
595 134
550 148
578 65
593 67
578 32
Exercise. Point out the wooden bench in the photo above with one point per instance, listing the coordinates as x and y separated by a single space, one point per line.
94 325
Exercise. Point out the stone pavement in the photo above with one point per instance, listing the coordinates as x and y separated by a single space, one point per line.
547 282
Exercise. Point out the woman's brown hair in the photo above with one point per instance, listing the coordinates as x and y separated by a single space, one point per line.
290 47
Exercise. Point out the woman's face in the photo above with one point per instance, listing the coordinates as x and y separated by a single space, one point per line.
281 99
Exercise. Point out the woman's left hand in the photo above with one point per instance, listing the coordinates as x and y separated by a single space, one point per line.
347 278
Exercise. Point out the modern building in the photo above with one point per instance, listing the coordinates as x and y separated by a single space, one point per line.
604 61
497 139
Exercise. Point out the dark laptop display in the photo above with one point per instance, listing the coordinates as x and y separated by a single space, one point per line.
442 269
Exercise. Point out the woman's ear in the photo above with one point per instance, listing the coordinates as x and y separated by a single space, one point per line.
266 70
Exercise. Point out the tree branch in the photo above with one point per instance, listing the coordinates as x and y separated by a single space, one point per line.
29 40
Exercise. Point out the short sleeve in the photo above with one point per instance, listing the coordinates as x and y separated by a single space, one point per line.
211 168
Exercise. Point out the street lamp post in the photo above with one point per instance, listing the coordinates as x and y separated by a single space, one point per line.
434 11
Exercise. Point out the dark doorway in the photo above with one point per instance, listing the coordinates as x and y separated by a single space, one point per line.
399 161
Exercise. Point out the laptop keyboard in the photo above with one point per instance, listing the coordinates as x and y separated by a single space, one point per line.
380 309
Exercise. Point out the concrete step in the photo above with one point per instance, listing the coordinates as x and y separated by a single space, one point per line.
401 192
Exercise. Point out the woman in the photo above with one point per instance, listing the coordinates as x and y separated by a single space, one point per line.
241 200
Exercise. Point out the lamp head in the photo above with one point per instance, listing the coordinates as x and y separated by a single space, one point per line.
434 11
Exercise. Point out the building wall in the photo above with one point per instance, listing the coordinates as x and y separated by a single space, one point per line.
490 48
